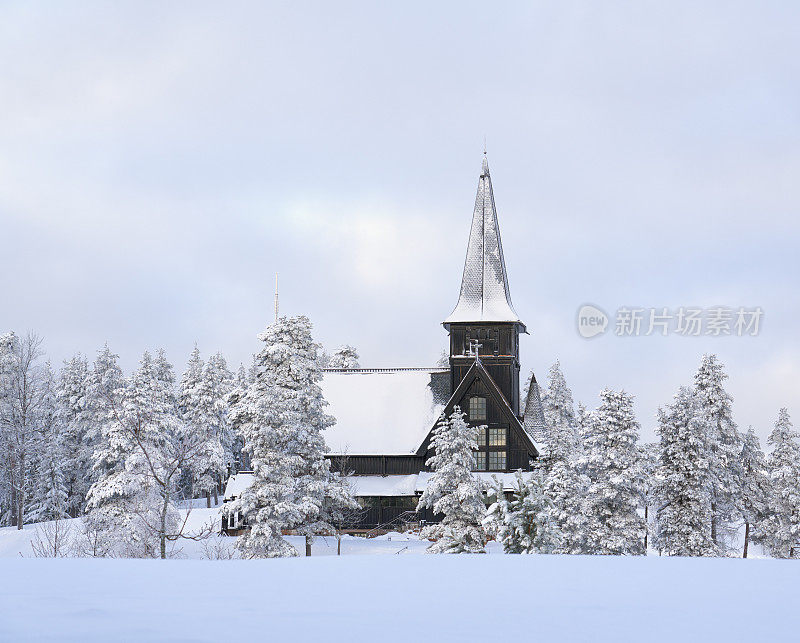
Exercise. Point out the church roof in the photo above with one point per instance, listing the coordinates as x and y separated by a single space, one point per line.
484 295
379 411
533 419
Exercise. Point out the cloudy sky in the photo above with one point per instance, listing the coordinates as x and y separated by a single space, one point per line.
158 166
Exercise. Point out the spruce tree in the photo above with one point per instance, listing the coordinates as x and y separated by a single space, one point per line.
725 447
219 382
526 525
756 490
683 486
452 490
615 493
281 417
50 496
198 404
565 484
344 357
782 528
77 432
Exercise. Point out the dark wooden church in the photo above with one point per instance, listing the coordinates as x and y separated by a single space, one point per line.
385 417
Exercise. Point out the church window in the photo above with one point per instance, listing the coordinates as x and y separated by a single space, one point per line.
497 437
477 408
497 460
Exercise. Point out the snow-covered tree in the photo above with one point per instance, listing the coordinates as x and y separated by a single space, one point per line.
23 396
76 442
565 484
122 493
452 489
782 528
683 486
281 417
344 357
198 403
146 447
524 523
49 500
219 381
756 490
559 414
616 491
106 380
725 447
648 457
240 459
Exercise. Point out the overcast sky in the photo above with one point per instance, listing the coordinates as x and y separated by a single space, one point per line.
158 166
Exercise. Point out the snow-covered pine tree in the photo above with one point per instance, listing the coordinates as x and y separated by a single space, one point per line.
240 459
22 395
616 492
527 526
565 484
49 501
648 456
344 357
219 381
684 516
116 497
453 491
725 451
583 423
756 490
72 406
281 417
106 380
782 527
198 406
559 414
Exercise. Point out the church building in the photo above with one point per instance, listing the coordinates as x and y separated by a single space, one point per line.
385 417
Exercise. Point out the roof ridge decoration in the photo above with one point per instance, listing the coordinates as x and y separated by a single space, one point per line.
484 296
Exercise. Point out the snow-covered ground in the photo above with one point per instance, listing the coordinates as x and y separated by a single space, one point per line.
378 590
400 598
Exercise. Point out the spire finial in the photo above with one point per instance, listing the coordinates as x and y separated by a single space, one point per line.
484 144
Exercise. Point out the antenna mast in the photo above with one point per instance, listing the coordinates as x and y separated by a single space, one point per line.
276 297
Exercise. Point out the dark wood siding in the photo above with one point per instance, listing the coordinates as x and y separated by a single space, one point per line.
383 465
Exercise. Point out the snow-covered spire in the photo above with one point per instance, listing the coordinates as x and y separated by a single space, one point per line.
484 293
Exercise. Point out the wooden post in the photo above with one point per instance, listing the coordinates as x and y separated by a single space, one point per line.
308 545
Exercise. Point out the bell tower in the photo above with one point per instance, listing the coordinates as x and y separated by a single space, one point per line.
483 324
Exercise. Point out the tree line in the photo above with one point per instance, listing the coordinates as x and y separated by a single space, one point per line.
597 490
123 451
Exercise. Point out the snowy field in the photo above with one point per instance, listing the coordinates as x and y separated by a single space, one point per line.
378 590
400 598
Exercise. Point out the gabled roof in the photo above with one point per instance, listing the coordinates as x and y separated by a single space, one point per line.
484 295
533 419
478 372
391 486
378 412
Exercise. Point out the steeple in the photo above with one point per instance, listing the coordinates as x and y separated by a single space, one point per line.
484 296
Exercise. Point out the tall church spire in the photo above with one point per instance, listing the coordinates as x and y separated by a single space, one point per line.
484 296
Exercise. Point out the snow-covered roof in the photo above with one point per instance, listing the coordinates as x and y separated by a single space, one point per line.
533 420
382 412
484 296
383 485
392 486
236 484
509 480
